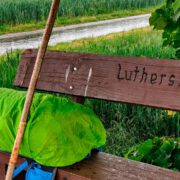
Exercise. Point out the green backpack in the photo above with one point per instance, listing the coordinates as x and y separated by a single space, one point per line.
59 132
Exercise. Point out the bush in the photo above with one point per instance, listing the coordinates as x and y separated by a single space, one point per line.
163 152
167 18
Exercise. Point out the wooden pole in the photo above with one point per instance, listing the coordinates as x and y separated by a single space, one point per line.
31 89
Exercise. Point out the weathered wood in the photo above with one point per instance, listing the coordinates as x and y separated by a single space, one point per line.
108 167
142 81
2 171
4 159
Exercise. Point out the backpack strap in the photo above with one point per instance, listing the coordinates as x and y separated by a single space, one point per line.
20 168
39 172
35 171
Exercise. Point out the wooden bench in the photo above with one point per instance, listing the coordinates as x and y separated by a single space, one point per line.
143 81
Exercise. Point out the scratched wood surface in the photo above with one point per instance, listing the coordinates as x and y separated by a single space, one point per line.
4 160
143 81
103 166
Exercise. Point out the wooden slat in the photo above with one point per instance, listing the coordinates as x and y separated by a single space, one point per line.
4 160
153 82
2 171
108 167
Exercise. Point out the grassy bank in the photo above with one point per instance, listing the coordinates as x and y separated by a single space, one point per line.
126 125
22 11
141 42
22 15
62 21
8 67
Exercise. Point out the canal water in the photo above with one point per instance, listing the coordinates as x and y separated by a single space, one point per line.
73 32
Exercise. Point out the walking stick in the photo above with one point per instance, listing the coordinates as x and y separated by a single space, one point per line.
31 89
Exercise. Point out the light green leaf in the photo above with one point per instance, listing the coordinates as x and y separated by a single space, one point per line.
146 147
176 5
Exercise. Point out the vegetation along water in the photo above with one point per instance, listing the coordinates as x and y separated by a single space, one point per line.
22 15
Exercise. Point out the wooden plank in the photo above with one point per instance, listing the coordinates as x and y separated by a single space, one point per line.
4 160
108 167
2 171
142 81
102 166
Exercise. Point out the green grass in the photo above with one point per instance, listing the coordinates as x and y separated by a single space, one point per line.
126 125
142 42
62 21
8 67
22 11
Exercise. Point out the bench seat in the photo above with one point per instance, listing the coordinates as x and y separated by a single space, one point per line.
102 166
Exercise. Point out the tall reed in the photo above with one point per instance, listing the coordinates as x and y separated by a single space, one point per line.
22 11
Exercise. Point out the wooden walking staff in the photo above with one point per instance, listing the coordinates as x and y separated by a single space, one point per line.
31 89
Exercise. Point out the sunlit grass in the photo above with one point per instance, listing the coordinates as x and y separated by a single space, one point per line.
8 68
21 11
62 21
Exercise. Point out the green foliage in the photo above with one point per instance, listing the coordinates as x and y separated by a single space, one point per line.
8 67
167 18
22 11
163 152
126 124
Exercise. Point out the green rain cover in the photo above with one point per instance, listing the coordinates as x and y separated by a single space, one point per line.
59 132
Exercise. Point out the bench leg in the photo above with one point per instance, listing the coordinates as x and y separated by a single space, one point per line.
2 171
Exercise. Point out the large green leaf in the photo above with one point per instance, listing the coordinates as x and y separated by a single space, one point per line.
146 147
167 147
177 160
176 5
163 160
164 152
167 18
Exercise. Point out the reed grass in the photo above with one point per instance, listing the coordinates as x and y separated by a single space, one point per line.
23 11
8 68
64 20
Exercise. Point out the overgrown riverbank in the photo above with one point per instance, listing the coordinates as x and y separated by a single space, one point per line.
21 15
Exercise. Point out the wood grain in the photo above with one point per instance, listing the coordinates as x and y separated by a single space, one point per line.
2 171
153 82
4 159
103 166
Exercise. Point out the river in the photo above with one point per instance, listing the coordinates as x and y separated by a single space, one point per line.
69 33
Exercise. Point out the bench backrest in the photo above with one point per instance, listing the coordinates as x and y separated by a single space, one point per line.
144 81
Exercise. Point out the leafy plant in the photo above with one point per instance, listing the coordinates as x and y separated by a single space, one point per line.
163 152
167 18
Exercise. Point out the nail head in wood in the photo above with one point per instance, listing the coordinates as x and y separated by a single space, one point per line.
71 87
75 68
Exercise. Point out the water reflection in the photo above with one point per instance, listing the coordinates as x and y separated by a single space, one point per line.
70 33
